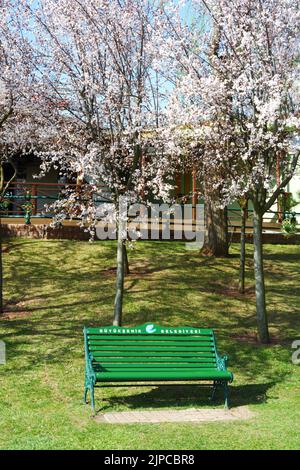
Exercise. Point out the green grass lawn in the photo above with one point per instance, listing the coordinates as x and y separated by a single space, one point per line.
56 287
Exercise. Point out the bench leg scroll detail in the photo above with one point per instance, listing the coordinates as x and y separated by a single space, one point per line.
226 395
213 393
86 388
89 387
92 399
85 395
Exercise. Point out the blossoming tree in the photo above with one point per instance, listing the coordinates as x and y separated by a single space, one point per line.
242 98
15 98
97 63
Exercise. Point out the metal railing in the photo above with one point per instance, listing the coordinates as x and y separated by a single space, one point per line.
29 200
19 194
271 221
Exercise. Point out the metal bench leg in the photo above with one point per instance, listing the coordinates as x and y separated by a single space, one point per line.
85 394
214 391
226 395
86 389
92 399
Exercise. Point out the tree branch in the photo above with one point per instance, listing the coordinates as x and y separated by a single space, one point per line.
283 184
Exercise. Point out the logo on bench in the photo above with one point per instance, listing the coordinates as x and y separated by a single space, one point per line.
150 329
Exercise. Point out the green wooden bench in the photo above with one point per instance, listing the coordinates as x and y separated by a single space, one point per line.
152 353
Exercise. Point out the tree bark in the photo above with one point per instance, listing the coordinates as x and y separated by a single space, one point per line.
243 251
216 219
126 262
261 314
216 239
1 271
120 278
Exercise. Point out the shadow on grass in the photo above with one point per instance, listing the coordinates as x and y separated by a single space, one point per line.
163 396
48 308
282 257
35 263
74 275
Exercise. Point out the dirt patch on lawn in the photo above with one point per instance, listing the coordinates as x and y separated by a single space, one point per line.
252 338
15 315
232 291
192 415
109 272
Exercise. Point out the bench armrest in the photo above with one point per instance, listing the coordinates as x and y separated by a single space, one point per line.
88 362
89 370
222 362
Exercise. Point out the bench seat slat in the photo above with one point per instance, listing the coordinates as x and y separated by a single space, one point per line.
146 360
187 344
141 367
181 363
163 375
144 347
145 354
128 363
143 338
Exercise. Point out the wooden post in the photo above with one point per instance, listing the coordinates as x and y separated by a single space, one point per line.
244 215
195 197
79 181
34 199
279 203
143 165
261 314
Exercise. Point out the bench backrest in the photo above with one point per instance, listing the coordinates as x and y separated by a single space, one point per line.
141 346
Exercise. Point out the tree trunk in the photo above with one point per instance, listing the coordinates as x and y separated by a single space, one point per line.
216 239
243 251
262 321
3 188
126 262
1 272
120 279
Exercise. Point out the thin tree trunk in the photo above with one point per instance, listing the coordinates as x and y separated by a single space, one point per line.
243 251
279 199
3 187
262 321
120 279
216 221
1 260
126 262
1 271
